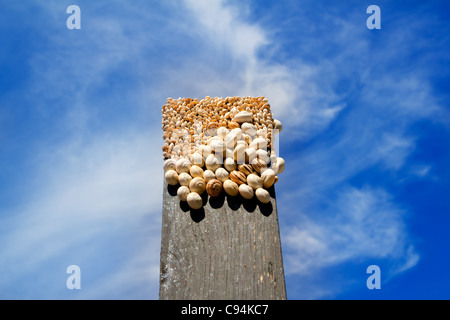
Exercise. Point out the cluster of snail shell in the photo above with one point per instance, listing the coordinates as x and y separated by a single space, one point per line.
217 145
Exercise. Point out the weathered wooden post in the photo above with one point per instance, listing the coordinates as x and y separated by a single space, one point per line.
224 245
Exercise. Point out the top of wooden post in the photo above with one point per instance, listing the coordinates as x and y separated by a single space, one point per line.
219 158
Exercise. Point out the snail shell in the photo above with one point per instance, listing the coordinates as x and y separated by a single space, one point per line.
197 185
197 159
183 165
169 164
250 154
238 177
213 162
259 143
278 166
262 195
239 153
171 177
254 181
231 188
263 155
183 192
259 165
243 116
245 169
229 164
248 128
277 125
196 171
217 145
214 188
222 174
194 200
246 191
208 175
268 178
222 132
233 125
184 179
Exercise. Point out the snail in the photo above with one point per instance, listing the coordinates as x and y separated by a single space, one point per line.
258 165
268 178
243 116
194 200
214 188
197 159
208 175
238 177
229 164
250 154
245 169
184 179
231 188
222 174
196 171
254 181
169 164
239 153
213 162
262 195
263 155
197 185
171 177
183 192
277 125
183 165
246 191
278 166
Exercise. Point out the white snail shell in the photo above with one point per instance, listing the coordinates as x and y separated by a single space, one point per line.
208 175
183 192
169 164
262 195
194 200
197 185
213 162
246 191
196 171
184 179
277 125
231 188
171 177
197 159
243 116
229 164
222 174
183 165
268 178
254 181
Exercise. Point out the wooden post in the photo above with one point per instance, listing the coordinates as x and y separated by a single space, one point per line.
228 249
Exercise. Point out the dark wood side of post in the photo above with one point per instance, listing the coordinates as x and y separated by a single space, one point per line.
229 249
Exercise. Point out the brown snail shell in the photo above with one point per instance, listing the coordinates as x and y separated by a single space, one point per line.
214 188
259 165
245 169
238 177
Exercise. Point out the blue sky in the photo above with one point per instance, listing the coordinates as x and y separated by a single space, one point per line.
365 137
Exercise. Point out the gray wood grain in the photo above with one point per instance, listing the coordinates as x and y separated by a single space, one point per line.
229 249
